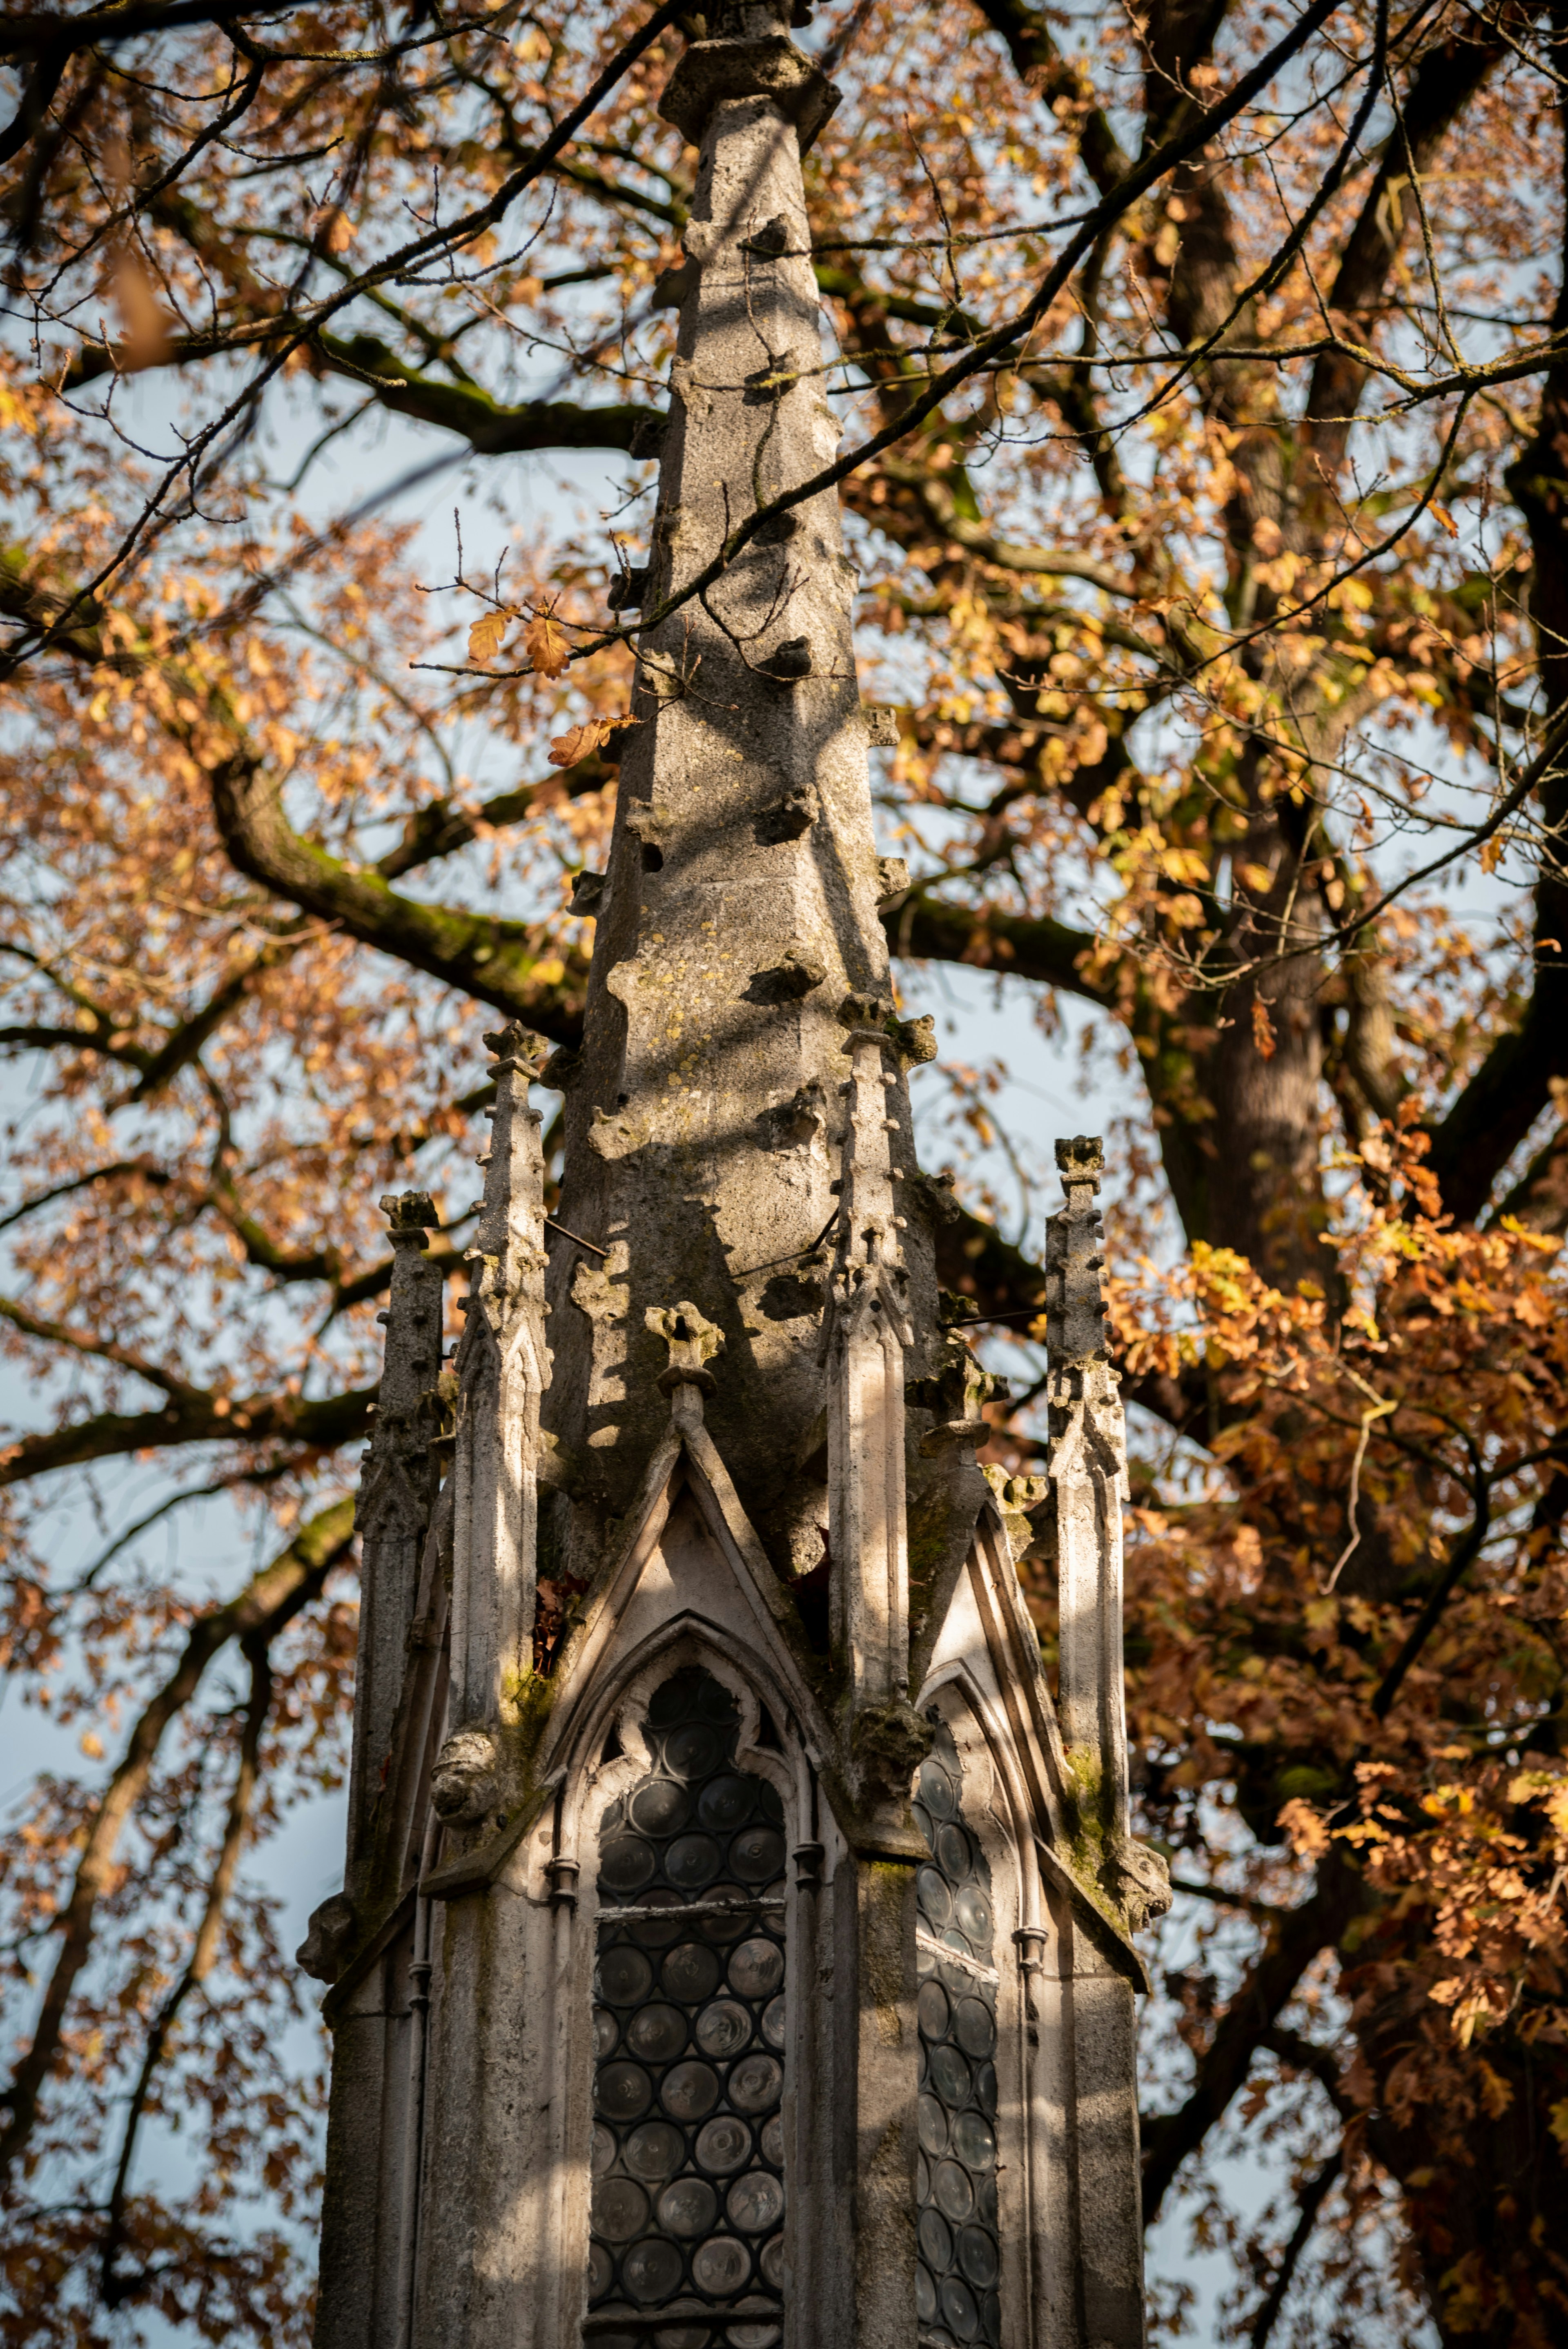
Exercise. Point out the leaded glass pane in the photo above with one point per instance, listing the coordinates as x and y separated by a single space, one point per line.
960 2261
688 2151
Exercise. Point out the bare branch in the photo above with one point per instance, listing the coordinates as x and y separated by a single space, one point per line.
269 1600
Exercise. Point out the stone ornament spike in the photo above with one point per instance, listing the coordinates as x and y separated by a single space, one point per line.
868 1221
411 1362
1087 1465
1074 1259
399 1480
866 1331
503 1369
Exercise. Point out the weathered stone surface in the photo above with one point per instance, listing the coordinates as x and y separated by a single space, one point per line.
705 1123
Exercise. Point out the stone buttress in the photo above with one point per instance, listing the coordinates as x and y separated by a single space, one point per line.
734 1952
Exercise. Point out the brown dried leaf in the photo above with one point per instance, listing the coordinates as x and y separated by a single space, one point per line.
544 642
582 741
1264 1035
486 636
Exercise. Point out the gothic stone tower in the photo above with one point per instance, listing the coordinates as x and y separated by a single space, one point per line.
735 1945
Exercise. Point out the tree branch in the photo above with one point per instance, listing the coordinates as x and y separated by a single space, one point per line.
496 961
1309 2201
1465 1550
32 31
314 1425
269 1599
440 829
117 2288
102 1350
490 427
928 929
1060 86
1442 85
1290 1948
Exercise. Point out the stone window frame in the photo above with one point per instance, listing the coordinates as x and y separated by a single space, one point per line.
997 1813
590 1786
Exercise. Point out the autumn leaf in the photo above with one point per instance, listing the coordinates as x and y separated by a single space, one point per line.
582 741
487 634
1306 1829
544 642
1263 1029
147 322
1441 515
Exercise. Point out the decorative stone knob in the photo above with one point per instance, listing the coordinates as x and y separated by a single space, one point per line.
464 1783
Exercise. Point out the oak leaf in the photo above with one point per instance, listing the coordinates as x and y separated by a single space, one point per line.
582 741
544 642
487 634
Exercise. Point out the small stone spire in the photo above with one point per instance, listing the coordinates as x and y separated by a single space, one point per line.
399 1480
503 1369
868 1330
1087 1467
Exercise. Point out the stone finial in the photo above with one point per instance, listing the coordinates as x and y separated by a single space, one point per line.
692 1341
503 1366
1080 1160
516 1047
1087 1462
868 1226
410 1214
865 1012
1075 1260
865 1334
406 1418
509 1242
399 1480
912 1042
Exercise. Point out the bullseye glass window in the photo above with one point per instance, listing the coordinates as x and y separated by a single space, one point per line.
959 2259
687 2247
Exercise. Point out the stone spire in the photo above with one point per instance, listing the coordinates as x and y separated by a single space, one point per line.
866 1336
704 1121
1087 1466
747 1965
399 1480
502 1367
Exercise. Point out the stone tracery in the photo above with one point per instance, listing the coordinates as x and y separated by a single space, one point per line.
690 2039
